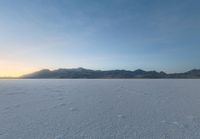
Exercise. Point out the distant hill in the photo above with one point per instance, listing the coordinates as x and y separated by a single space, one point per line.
95 74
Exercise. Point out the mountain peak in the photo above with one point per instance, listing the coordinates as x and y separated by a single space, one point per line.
87 73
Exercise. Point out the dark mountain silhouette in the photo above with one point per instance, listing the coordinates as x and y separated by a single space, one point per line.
92 74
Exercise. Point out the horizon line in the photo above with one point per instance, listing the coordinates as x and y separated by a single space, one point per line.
15 77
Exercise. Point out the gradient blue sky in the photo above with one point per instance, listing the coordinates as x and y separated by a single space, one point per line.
99 34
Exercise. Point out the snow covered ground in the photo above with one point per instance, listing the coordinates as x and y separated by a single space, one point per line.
100 109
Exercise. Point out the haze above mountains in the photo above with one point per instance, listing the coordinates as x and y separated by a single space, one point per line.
99 74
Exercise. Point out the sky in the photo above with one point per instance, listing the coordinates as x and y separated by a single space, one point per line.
160 35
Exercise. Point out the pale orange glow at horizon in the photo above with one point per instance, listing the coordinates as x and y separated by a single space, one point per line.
11 73
9 69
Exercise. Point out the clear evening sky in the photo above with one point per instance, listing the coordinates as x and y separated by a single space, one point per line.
99 34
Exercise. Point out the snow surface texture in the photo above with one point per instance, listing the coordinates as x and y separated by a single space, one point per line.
100 109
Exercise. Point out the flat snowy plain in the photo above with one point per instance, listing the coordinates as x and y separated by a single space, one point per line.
100 109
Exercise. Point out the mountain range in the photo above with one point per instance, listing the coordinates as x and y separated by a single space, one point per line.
115 74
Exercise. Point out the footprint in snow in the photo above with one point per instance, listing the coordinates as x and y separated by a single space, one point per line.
120 116
17 106
178 124
6 108
165 136
60 98
62 104
163 121
59 137
59 105
73 109
191 117
175 123
119 96
2 133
